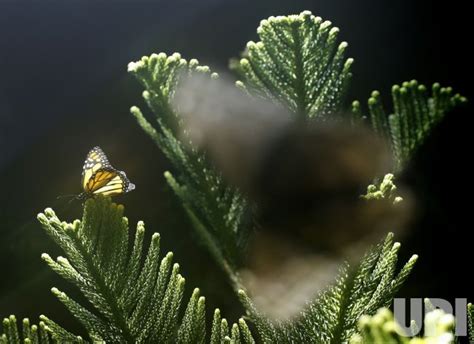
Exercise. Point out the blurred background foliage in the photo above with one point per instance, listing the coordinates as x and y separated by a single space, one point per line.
64 89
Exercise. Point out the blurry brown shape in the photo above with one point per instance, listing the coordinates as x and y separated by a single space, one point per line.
235 130
282 277
305 176
312 179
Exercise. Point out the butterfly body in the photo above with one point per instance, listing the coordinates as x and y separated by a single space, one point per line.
99 177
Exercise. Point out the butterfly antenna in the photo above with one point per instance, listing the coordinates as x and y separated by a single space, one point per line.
75 198
71 196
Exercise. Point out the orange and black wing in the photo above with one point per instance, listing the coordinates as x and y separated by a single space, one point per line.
99 177
95 160
109 182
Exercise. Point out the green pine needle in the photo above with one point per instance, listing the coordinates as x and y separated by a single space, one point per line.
385 190
415 113
297 62
470 319
136 297
332 317
34 334
383 328
217 207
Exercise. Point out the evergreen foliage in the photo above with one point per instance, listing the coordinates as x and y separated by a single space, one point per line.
415 113
333 315
386 189
382 328
297 62
136 297
470 321
216 210
28 333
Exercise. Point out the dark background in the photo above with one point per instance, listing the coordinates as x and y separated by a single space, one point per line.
64 88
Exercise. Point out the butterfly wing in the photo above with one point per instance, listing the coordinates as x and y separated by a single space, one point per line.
108 182
99 177
95 160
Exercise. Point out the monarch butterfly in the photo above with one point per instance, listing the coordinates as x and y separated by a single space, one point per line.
99 177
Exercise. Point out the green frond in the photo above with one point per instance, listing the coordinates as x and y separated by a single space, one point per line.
136 298
135 293
382 328
415 113
386 189
58 333
332 317
34 334
238 333
470 321
192 329
297 62
217 207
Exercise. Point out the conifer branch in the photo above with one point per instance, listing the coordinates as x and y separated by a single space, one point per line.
239 333
386 189
382 328
415 113
316 75
216 209
34 334
470 321
136 298
298 62
332 317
